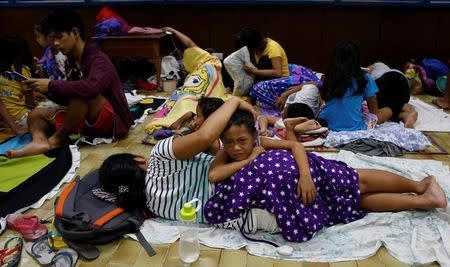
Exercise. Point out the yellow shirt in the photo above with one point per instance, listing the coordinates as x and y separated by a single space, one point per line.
272 50
12 97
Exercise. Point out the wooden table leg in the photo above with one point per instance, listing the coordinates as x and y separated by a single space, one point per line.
157 62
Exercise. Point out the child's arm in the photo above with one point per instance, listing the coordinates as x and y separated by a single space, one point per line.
178 123
264 122
28 93
275 71
308 125
221 169
9 120
305 187
183 38
372 104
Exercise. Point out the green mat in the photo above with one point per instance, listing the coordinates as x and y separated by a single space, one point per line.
13 172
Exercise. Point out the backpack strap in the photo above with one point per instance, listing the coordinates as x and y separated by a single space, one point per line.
144 243
66 201
107 217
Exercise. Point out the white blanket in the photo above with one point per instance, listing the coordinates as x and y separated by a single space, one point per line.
414 237
430 118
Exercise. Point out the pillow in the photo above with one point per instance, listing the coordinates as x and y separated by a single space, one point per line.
234 64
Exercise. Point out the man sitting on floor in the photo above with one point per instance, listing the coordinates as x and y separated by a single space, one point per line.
96 104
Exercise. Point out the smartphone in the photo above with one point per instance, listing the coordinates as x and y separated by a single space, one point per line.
15 76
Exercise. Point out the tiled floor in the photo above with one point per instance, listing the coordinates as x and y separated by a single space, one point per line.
126 252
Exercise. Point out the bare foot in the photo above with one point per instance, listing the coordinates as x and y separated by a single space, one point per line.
55 141
33 148
434 195
424 184
442 103
410 119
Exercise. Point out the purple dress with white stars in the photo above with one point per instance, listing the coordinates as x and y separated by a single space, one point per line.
270 182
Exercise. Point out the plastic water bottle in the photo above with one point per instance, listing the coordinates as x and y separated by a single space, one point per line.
189 245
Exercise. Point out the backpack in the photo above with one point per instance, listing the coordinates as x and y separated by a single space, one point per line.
83 220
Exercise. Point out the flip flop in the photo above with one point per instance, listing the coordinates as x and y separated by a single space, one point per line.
65 257
40 250
29 226
56 241
10 255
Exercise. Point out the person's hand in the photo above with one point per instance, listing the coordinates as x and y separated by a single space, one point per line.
265 132
257 150
306 190
193 125
26 87
168 29
244 105
40 85
280 101
249 69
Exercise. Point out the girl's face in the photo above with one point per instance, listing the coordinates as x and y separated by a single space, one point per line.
238 142
43 40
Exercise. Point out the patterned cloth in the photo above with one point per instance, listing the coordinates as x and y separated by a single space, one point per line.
53 65
266 92
409 139
270 182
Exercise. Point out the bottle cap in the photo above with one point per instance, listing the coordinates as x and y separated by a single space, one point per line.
188 213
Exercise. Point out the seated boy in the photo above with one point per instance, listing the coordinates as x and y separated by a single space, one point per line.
96 104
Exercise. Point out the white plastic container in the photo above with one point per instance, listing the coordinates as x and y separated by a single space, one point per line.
189 246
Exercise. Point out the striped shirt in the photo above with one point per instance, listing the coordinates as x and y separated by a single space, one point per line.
171 182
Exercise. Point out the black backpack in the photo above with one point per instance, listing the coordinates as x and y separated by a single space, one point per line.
83 220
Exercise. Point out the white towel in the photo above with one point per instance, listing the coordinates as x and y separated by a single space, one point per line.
430 118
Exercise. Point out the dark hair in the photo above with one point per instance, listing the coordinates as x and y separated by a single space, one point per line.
241 117
209 104
344 67
295 110
251 38
122 170
43 27
14 51
65 21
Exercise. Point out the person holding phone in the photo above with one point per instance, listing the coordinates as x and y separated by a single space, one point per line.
16 98
93 94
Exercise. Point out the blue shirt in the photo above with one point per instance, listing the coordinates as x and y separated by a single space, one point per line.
344 113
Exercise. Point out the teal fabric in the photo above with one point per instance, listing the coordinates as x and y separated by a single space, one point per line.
16 142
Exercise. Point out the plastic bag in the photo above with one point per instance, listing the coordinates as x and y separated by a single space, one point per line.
170 67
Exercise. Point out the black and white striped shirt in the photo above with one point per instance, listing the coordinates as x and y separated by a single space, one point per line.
171 182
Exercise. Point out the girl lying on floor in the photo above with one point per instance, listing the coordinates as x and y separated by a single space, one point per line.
304 191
